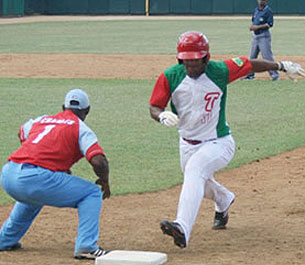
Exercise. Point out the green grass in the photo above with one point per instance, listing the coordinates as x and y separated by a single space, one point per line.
144 37
265 117
120 118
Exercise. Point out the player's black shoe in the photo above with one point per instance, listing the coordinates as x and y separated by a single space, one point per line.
13 247
174 230
221 219
91 255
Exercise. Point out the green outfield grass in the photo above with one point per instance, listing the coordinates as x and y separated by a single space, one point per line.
266 118
144 37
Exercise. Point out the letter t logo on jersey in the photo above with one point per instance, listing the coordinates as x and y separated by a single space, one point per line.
210 98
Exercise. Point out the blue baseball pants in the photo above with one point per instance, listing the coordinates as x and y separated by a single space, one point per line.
33 187
262 43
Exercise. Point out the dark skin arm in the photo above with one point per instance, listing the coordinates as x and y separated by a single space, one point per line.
257 27
101 169
155 112
259 65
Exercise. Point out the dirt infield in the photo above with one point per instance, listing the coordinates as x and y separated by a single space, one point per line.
138 66
266 222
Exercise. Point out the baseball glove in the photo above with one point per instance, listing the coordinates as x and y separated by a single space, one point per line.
291 69
168 118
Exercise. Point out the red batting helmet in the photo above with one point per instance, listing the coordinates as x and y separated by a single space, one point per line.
192 45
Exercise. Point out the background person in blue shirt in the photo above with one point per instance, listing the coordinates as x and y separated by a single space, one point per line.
262 20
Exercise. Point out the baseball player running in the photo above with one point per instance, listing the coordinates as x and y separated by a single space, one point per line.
37 174
197 87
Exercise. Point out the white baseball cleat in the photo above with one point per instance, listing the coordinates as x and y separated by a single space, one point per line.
91 255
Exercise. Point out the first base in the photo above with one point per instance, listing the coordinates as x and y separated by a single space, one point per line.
124 257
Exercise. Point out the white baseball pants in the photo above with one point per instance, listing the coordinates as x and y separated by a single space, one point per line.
199 163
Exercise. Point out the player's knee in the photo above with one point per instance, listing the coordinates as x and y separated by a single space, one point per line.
97 193
197 171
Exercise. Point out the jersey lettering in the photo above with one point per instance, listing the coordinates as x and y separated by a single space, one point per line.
58 121
205 118
46 130
210 98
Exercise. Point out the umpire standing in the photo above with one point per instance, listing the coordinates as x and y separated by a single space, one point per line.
262 21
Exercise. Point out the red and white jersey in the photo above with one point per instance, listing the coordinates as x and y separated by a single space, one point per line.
56 142
199 103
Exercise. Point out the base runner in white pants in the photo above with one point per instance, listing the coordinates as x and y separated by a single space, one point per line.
197 88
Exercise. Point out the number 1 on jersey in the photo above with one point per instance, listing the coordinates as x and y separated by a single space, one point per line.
46 130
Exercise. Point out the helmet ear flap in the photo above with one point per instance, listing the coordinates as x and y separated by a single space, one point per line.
208 56
206 59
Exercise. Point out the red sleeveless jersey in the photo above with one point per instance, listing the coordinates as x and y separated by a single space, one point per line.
56 142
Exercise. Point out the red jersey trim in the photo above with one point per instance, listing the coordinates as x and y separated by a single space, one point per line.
238 67
94 150
161 92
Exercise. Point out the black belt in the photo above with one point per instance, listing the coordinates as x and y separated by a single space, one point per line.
193 142
259 32
24 166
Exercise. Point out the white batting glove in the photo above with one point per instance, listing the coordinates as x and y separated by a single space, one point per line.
291 69
168 118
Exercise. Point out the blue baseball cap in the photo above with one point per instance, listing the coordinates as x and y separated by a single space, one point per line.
76 99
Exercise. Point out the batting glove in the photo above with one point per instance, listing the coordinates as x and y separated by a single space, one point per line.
168 118
291 69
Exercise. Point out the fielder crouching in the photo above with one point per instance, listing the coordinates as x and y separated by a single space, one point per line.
38 174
